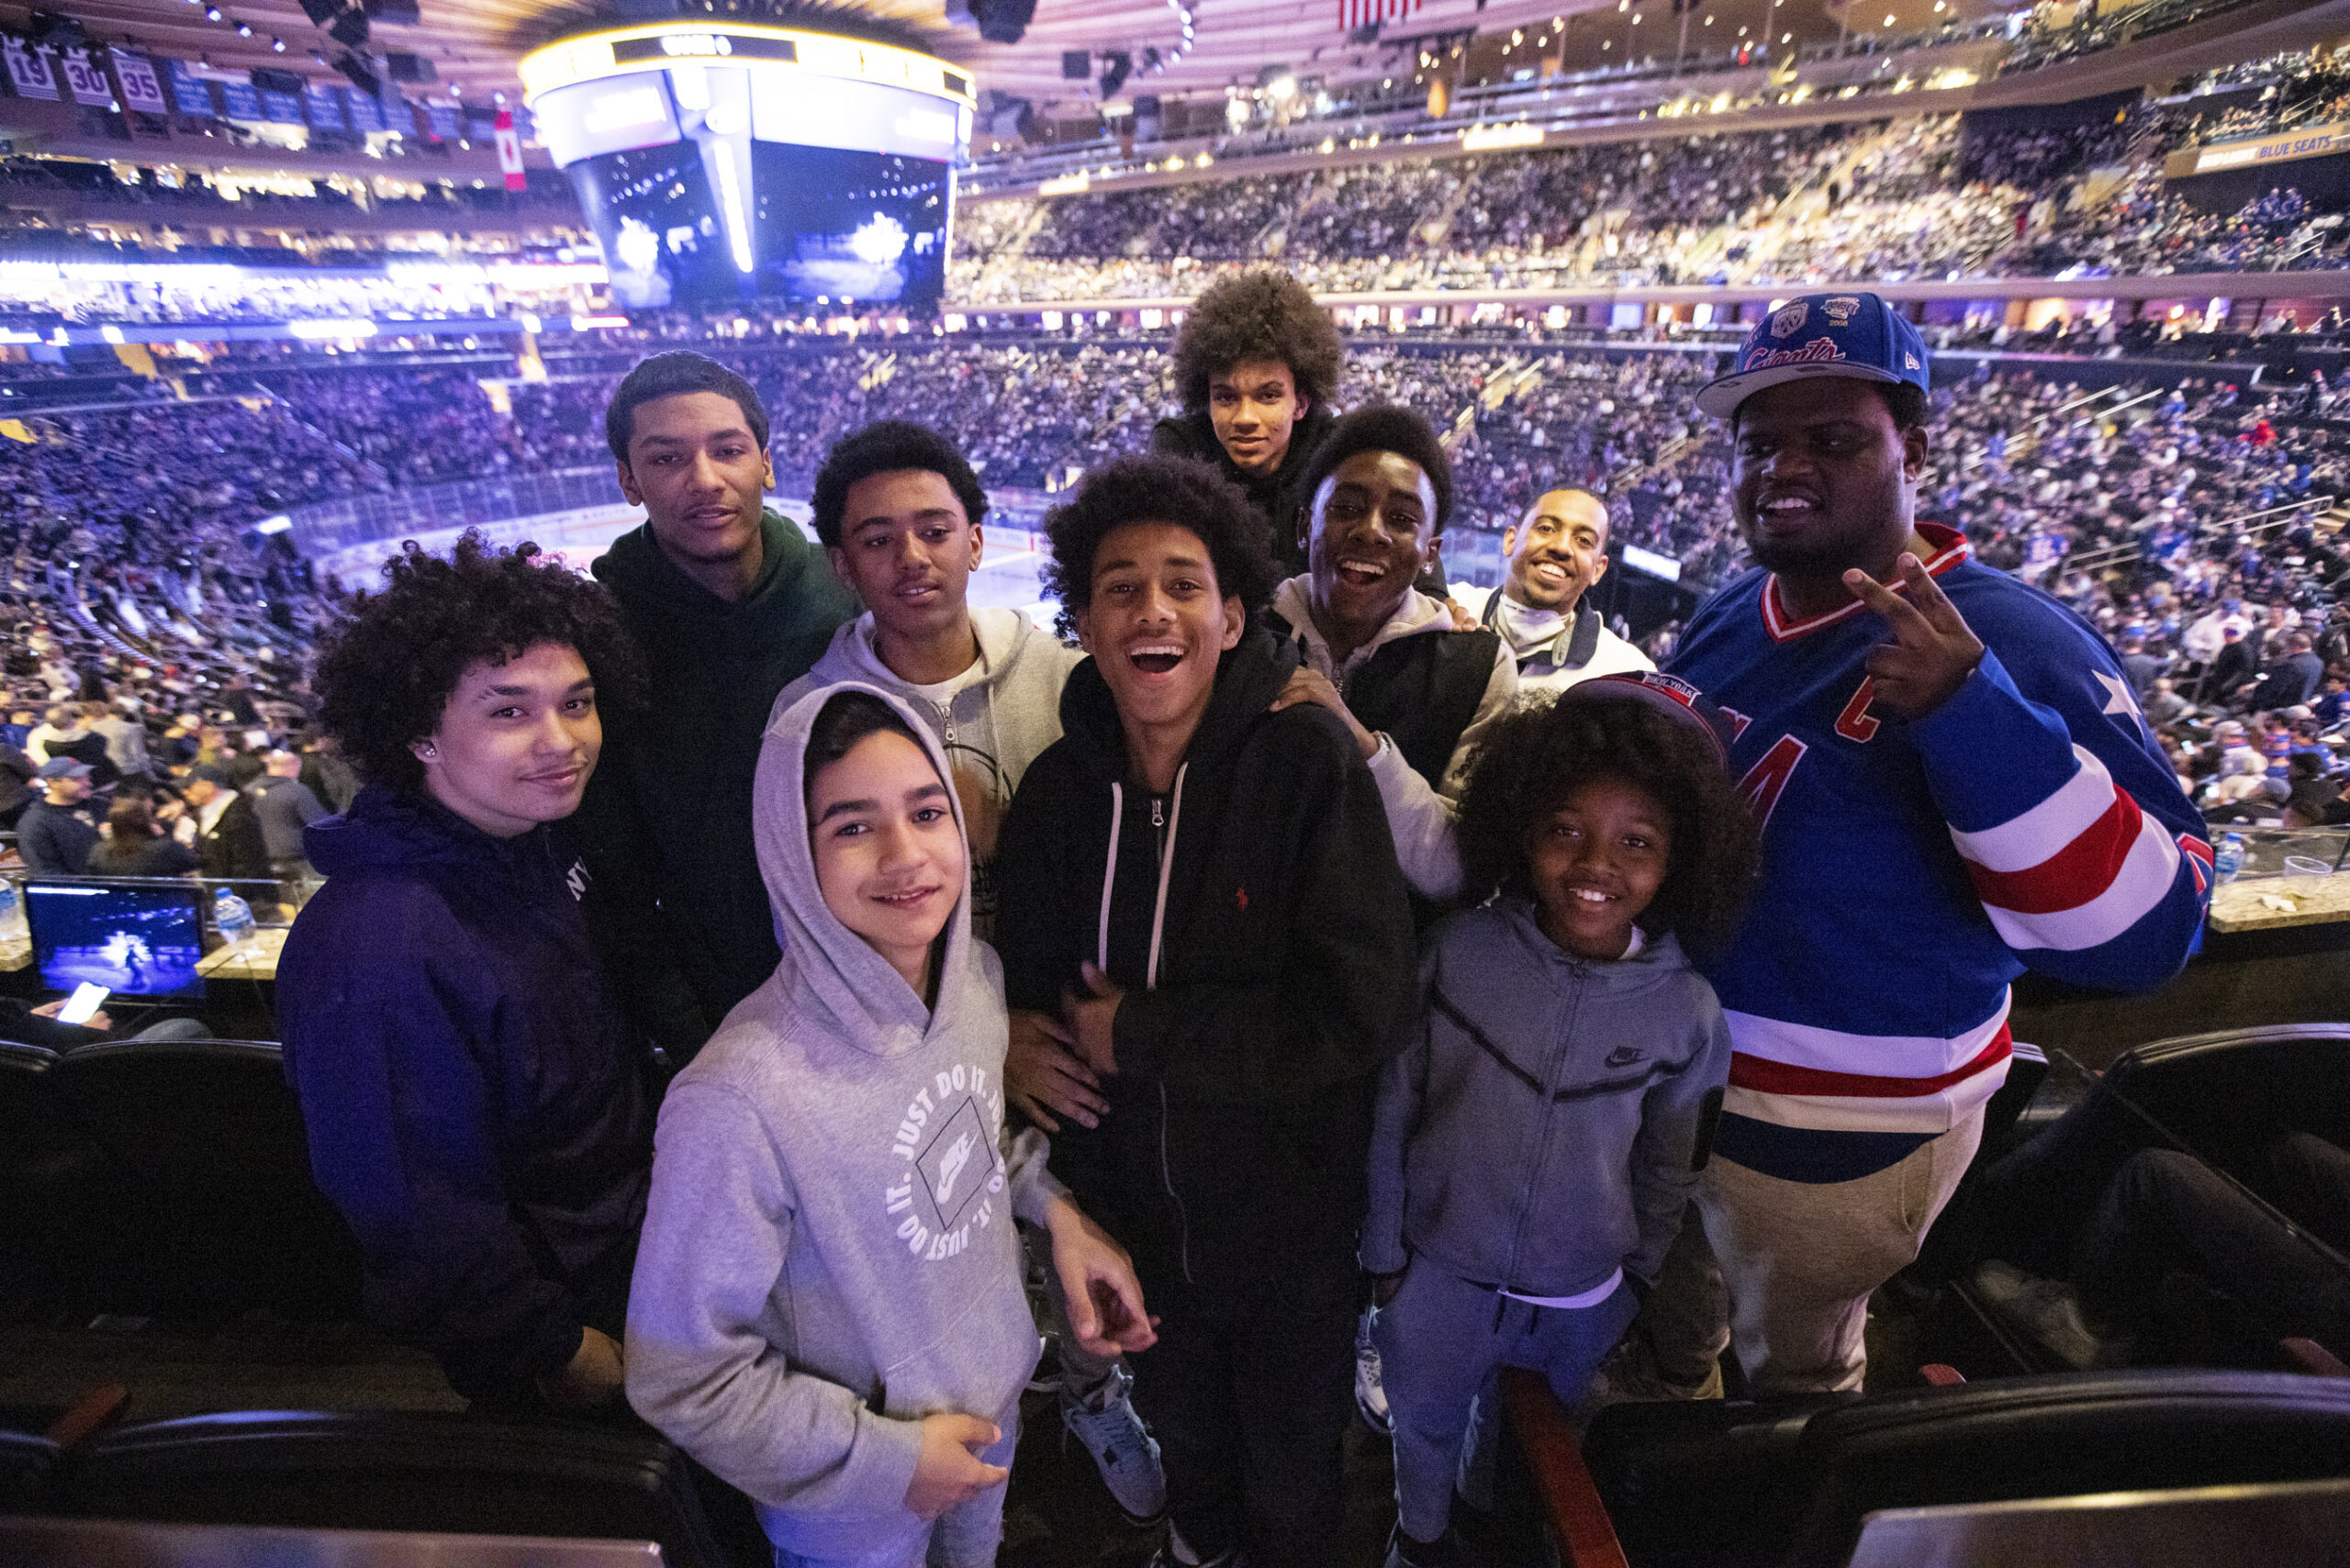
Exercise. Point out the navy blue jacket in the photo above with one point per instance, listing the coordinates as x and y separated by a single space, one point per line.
475 1105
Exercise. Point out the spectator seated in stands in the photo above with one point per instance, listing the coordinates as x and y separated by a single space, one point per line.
475 1106
136 844
57 833
1257 363
222 827
2272 1255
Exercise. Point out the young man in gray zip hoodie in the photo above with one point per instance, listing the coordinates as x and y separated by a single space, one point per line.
828 1291
899 511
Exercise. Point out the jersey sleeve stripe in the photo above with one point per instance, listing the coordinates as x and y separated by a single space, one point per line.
2144 880
1769 1077
1929 1114
2025 840
2075 874
1836 1052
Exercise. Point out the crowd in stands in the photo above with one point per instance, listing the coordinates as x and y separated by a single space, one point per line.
1919 198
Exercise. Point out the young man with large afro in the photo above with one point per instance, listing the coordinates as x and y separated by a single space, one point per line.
1258 362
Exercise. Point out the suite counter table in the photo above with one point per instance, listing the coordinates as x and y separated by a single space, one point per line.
222 963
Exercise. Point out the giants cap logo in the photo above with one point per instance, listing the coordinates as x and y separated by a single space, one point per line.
1789 320
1841 309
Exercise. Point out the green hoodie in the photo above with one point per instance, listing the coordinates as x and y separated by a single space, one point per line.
676 902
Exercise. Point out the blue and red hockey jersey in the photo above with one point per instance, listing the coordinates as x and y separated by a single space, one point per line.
1911 870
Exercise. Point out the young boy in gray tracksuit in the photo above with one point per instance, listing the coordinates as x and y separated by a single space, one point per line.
1540 1133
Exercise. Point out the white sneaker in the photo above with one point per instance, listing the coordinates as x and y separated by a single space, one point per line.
1175 1553
1370 1393
1122 1449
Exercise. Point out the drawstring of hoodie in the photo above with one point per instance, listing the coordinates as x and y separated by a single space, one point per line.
1150 982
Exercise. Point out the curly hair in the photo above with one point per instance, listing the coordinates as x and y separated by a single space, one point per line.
385 674
1262 313
1537 756
1155 489
1383 427
888 446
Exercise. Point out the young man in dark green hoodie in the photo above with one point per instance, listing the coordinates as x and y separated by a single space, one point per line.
729 603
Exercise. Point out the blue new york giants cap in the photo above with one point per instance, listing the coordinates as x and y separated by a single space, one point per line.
1855 335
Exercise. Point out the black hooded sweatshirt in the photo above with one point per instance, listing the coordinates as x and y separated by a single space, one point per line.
474 1103
1275 495
1264 979
677 906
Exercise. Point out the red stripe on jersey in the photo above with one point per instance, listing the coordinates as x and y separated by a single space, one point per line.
1767 1077
2075 874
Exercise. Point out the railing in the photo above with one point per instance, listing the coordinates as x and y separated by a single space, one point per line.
326 526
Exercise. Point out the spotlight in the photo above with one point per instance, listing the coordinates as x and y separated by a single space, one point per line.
277 46
212 13
245 29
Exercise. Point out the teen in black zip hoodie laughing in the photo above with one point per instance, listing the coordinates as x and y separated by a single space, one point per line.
1201 898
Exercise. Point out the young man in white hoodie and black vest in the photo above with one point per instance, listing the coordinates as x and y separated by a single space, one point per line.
1415 690
1556 554
900 512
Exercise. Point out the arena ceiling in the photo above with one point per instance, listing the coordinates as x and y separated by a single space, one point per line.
474 44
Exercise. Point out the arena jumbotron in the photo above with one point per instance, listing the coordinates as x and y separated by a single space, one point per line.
1193 782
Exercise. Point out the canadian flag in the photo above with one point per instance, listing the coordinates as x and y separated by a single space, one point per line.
509 150
1353 14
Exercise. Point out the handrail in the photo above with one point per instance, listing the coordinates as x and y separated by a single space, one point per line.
1572 1506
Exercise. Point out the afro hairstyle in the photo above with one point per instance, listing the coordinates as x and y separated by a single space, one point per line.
1261 314
674 375
385 675
889 446
1154 489
1383 427
1542 753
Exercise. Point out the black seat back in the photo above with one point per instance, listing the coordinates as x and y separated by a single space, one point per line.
54 1176
2229 1093
418 1470
1702 1482
27 1463
209 1135
2065 1436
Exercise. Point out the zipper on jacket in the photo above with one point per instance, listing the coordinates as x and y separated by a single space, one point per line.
1550 1115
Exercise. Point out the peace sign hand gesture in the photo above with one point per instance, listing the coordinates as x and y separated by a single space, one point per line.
1932 651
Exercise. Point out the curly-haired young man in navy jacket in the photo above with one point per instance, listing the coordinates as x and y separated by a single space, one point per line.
1200 895
475 1106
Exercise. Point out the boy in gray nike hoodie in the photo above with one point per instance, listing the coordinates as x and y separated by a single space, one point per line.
1537 1138
827 1309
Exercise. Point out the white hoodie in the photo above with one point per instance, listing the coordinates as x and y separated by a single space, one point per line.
993 719
828 1254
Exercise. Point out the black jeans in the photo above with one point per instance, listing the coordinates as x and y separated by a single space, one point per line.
2164 1212
1248 1392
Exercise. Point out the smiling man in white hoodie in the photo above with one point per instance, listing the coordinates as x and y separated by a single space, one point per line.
899 510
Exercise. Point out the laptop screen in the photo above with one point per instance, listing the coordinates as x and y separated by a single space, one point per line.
135 941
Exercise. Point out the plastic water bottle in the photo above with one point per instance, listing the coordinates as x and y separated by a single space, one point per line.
2230 859
12 913
234 918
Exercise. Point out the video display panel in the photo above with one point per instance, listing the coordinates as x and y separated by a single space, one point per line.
134 941
653 210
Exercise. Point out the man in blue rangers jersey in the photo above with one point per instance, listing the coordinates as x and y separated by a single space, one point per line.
1955 785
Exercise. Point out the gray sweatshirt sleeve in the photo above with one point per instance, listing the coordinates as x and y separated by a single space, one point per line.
1033 1187
1672 1113
1402 1089
717 1232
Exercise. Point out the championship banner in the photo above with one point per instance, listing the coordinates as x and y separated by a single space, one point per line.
192 93
142 89
281 109
239 101
325 104
28 70
366 114
509 150
86 79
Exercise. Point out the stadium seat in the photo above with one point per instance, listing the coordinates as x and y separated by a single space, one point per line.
27 1464
1690 1482
208 1139
52 1178
438 1471
2056 1437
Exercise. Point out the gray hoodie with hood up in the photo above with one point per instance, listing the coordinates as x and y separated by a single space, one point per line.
993 723
828 1254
